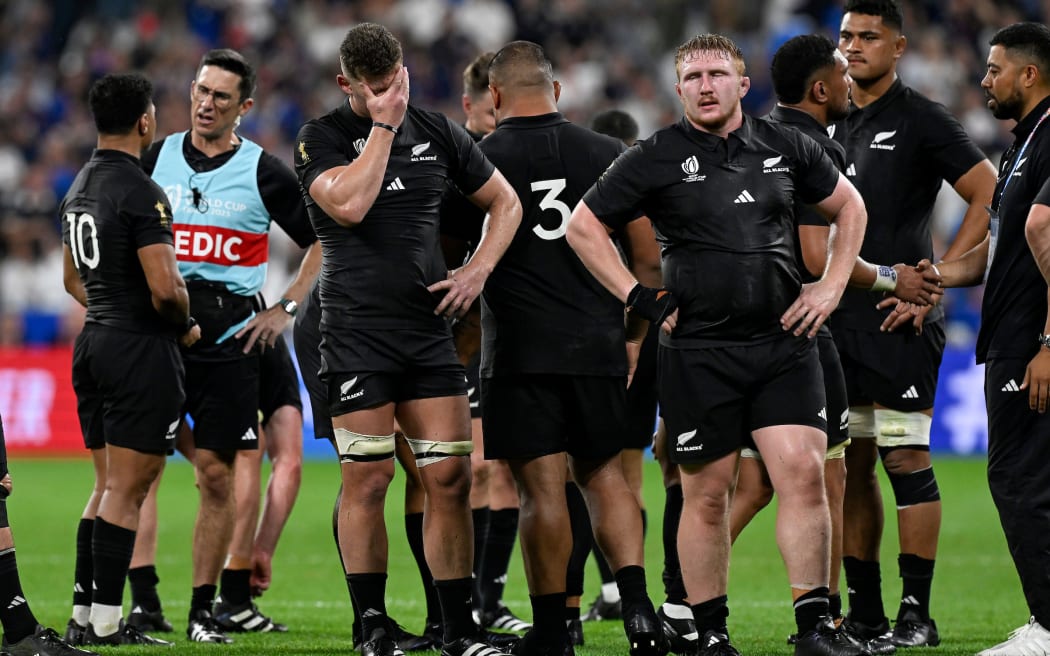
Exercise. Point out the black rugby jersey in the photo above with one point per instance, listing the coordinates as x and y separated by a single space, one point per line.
723 211
899 149
278 186
375 274
541 310
1013 312
809 126
111 211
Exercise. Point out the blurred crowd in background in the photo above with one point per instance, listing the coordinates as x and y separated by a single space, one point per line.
607 53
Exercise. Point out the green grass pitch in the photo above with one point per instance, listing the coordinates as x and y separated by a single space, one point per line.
976 595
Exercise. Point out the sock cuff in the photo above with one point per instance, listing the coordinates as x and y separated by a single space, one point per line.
915 567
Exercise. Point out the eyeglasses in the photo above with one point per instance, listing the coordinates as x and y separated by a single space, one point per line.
221 99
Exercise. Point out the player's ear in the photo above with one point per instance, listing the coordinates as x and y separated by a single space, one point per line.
819 91
497 97
557 90
144 124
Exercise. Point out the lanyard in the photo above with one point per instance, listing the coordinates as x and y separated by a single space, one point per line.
1020 157
993 214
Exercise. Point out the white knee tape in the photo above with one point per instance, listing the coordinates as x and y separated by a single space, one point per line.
430 451
354 447
747 452
895 428
862 422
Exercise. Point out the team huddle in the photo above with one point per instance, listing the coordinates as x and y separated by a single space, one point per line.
504 307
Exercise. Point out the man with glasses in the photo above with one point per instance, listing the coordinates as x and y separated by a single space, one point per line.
225 191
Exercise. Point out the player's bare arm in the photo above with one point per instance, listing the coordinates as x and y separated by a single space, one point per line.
167 288
589 237
976 187
818 300
464 284
71 278
346 193
267 326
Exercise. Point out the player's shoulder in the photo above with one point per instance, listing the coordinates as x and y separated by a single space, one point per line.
921 109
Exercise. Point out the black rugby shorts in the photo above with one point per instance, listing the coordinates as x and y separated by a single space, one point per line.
713 398
474 385
531 415
367 368
834 389
130 389
641 396
278 382
222 396
897 370
307 340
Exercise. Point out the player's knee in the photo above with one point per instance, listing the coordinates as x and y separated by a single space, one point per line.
914 488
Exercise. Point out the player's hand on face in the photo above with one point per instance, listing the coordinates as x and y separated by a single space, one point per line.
811 309
462 286
390 105
264 328
1037 380
920 284
190 337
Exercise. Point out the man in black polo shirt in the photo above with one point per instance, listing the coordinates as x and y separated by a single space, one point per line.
900 148
373 173
120 264
554 357
737 365
1013 342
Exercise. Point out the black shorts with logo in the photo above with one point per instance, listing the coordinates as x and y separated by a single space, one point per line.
834 388
130 389
474 385
897 370
641 395
713 398
307 340
532 415
278 382
369 368
222 397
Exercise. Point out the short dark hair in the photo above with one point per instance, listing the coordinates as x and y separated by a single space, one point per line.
888 10
1030 40
521 63
369 51
796 62
234 62
710 43
616 123
118 101
476 75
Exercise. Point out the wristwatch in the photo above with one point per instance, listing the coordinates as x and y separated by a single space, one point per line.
290 306
1043 340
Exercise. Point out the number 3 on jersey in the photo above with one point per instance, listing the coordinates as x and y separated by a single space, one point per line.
550 202
78 240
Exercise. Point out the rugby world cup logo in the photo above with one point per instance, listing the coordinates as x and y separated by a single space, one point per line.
691 168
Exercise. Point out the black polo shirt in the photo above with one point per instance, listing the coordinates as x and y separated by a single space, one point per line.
375 274
899 150
111 211
542 311
809 126
1013 312
723 210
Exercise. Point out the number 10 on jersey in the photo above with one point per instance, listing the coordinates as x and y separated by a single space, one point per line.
78 240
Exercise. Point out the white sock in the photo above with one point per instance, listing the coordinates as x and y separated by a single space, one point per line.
610 593
105 619
81 615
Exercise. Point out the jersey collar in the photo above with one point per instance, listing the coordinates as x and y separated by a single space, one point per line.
1027 124
709 141
795 116
537 121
